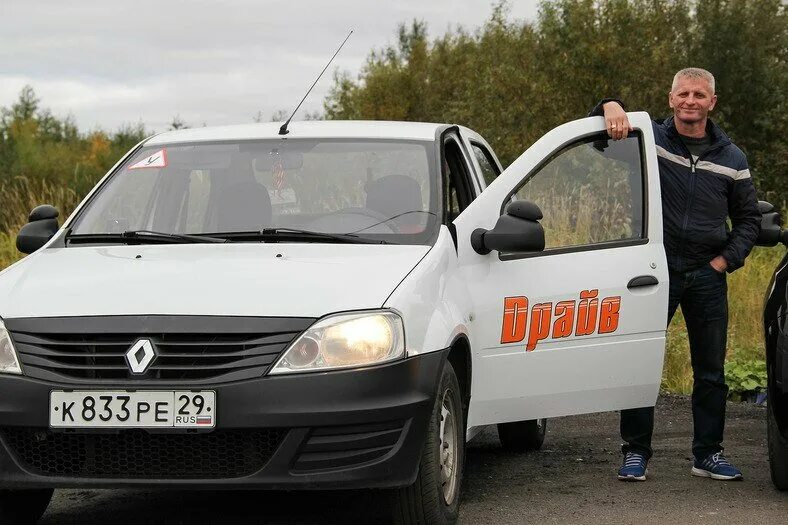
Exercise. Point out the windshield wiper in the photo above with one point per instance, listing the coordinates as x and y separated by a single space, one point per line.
140 236
397 216
293 234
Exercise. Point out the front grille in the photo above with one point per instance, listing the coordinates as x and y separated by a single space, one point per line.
348 446
136 454
197 350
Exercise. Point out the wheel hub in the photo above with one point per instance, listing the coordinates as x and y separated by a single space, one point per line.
448 447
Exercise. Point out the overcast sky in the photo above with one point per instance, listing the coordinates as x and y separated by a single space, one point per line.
217 62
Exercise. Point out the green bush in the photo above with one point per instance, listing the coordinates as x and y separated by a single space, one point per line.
745 377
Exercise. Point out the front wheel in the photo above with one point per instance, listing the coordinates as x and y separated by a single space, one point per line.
23 507
778 447
522 436
435 496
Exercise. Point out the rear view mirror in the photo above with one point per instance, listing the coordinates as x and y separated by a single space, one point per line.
771 226
290 160
41 227
517 231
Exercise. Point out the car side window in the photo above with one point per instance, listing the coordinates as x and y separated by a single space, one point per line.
590 192
489 168
457 189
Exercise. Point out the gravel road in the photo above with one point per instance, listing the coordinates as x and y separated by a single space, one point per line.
571 480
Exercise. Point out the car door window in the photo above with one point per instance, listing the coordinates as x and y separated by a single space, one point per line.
486 163
590 192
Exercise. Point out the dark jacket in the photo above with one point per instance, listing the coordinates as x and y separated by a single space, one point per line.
698 197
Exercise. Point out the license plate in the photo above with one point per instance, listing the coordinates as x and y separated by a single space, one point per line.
119 409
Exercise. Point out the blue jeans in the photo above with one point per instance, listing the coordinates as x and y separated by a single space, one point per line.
703 296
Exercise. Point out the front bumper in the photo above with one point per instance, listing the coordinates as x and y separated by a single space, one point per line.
334 430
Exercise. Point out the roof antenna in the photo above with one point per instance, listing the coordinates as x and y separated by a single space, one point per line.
283 130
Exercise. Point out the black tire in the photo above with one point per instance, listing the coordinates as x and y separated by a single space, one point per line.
522 436
778 448
425 502
23 507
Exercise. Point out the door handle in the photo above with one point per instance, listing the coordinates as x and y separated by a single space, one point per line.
642 280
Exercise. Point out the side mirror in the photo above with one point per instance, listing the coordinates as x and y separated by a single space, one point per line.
41 227
516 231
771 231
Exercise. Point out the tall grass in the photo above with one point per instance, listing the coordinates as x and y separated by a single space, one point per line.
8 251
21 194
746 293
18 197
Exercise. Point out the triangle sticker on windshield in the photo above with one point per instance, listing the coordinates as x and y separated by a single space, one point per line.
156 160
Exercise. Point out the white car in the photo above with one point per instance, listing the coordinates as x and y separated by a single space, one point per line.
372 306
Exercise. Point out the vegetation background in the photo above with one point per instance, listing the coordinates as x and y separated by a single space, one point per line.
512 81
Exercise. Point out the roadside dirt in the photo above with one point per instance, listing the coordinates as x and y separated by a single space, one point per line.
571 480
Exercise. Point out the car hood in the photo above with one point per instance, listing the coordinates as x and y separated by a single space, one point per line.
301 280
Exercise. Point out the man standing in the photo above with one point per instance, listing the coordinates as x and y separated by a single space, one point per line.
704 179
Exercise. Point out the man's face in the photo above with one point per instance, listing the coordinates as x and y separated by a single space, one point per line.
692 100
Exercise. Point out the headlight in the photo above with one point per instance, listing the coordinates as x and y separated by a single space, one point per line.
345 341
9 364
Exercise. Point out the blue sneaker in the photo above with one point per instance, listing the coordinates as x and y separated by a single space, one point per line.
634 467
715 466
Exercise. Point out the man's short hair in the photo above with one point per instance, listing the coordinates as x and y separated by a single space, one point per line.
693 72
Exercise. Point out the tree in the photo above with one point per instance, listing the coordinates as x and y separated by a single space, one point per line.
26 107
514 81
44 158
280 115
178 123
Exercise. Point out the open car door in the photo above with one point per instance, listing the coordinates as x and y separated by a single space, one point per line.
579 326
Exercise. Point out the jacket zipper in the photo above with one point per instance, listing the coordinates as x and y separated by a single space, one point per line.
691 194
690 198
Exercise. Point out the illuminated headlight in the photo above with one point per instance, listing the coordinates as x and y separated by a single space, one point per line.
345 341
9 364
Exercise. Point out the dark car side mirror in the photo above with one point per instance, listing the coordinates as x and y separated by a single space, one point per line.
771 226
41 227
517 231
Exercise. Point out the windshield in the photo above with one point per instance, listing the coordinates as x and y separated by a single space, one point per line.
383 190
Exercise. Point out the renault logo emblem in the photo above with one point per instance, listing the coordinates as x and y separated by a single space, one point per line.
140 356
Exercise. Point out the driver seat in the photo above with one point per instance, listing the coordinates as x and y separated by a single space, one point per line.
394 195
244 206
